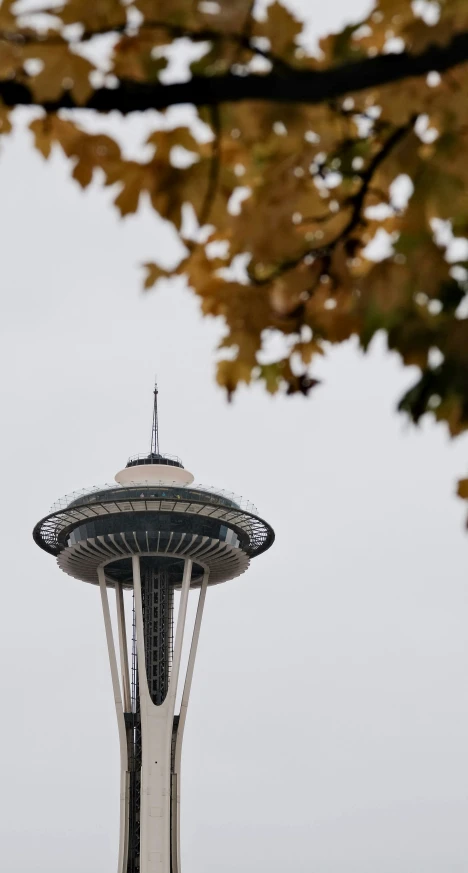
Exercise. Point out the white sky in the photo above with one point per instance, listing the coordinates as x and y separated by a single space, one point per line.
328 723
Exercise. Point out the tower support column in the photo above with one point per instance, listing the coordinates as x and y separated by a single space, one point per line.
179 730
155 818
124 774
157 723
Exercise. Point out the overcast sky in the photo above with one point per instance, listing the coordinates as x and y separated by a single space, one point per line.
328 723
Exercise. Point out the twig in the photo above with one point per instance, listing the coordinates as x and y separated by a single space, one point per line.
214 168
241 40
355 219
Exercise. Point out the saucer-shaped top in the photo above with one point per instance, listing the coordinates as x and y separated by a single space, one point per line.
153 474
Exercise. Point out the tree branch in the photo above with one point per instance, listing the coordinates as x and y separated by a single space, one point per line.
293 86
356 217
241 40
213 177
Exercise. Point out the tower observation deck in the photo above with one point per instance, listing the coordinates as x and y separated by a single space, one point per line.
152 533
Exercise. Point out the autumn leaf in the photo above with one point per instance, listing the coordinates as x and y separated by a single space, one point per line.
281 28
50 129
170 11
270 374
136 57
7 16
91 153
62 70
341 46
11 59
5 120
232 17
96 16
42 129
307 350
153 273
317 222
230 374
165 140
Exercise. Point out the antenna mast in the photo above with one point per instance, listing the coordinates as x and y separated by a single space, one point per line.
155 429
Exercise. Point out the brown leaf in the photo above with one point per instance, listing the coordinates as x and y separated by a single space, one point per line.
153 273
11 59
96 16
230 373
5 120
281 28
50 129
43 135
134 57
7 17
63 70
462 489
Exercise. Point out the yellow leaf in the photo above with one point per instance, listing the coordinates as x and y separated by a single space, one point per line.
271 375
230 373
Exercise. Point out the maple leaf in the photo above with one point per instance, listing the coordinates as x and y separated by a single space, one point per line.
7 16
281 28
51 129
230 373
11 59
42 129
5 120
153 273
135 57
227 16
62 70
165 140
95 17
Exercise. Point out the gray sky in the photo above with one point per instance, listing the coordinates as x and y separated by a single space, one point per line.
329 716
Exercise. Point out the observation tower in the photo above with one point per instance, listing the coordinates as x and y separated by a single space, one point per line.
152 533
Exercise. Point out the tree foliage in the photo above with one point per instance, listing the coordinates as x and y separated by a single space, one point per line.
329 194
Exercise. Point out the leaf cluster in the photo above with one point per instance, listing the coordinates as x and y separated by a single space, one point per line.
314 223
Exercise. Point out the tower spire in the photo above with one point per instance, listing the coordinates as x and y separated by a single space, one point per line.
155 429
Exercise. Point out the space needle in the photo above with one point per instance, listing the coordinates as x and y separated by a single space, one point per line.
151 533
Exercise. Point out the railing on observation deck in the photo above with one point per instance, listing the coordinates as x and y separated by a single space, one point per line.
152 458
177 492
